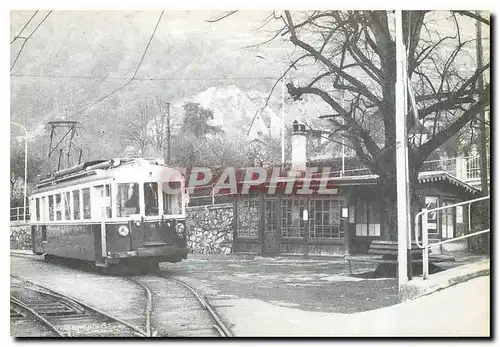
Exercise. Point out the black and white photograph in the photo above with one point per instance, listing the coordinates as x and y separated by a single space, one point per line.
215 173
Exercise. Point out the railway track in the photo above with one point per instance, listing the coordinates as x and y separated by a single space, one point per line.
171 310
63 315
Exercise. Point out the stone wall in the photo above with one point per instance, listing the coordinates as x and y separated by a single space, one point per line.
20 237
210 229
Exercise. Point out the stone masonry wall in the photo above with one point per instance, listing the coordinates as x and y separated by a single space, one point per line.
210 229
20 237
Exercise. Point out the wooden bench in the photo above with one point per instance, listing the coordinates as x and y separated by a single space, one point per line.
386 252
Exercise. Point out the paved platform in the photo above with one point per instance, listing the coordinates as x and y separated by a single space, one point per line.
459 311
418 286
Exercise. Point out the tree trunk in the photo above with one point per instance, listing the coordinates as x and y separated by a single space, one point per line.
390 203
389 218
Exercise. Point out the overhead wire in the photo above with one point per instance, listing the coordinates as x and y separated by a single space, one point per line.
130 80
147 46
153 78
18 36
26 40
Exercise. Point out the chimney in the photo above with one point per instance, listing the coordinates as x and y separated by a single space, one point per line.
298 146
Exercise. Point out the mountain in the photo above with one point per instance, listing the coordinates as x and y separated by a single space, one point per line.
78 65
234 109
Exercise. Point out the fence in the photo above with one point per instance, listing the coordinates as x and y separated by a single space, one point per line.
17 214
425 246
463 168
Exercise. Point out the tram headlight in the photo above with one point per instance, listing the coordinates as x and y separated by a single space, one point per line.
179 228
123 230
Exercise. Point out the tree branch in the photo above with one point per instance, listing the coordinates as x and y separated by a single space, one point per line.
221 17
361 88
439 139
473 15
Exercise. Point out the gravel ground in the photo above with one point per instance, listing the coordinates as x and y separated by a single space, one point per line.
176 311
113 295
304 284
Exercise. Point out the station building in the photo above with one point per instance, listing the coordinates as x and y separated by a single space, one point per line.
344 221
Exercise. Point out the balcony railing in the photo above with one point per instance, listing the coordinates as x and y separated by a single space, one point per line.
18 215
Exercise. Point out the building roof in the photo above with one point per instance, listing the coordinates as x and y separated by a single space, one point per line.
437 176
317 180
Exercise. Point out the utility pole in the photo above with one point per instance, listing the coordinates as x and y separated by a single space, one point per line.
401 153
480 82
482 125
168 133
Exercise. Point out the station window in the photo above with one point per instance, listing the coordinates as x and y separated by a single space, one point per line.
37 209
86 203
151 198
127 199
172 198
447 221
51 207
67 206
367 218
76 204
292 210
272 215
325 219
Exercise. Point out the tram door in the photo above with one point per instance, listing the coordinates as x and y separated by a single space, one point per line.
102 195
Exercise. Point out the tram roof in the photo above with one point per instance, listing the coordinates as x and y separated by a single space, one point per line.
101 169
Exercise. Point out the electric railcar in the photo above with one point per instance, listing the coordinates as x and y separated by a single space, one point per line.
118 213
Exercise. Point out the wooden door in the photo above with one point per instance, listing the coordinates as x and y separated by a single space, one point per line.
271 227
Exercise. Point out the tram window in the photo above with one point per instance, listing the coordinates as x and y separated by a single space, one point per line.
86 203
43 209
107 188
58 207
37 209
127 199
104 192
151 198
51 207
76 204
172 203
67 206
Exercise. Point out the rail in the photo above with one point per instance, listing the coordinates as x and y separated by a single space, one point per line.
425 246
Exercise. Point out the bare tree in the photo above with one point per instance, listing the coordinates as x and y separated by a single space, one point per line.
146 132
355 56
137 132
